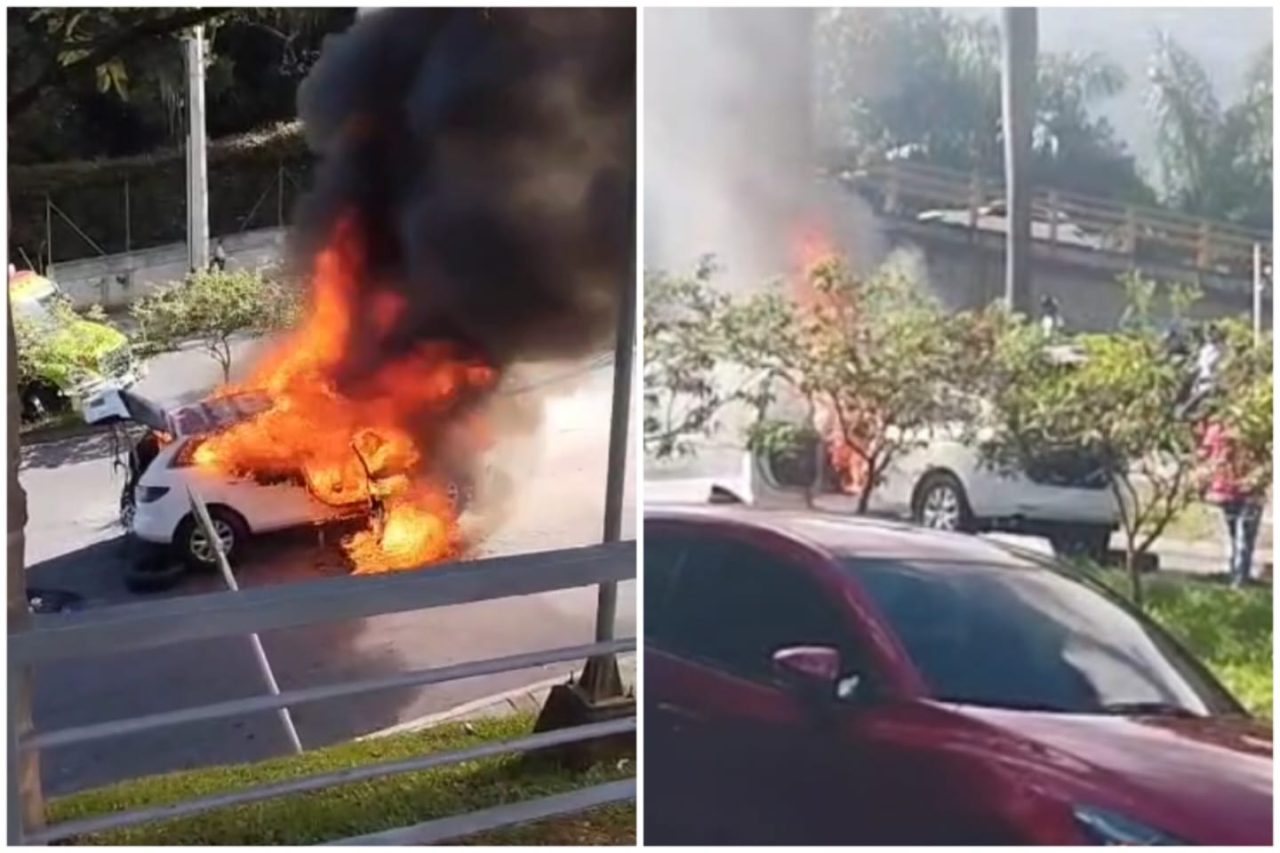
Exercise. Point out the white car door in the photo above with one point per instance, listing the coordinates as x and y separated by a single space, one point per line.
265 506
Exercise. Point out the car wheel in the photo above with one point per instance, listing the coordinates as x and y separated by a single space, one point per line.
197 550
941 504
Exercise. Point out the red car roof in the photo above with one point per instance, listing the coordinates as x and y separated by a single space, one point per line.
845 536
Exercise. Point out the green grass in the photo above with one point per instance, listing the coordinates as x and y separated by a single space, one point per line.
363 807
1229 630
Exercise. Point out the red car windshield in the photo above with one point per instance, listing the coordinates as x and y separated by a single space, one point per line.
1033 638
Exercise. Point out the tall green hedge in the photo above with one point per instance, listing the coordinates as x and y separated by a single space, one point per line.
242 171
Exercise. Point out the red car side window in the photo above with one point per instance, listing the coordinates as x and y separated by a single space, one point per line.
732 606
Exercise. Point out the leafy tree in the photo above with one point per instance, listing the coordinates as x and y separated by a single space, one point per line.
1115 398
924 85
59 350
1215 161
682 393
111 81
868 357
213 307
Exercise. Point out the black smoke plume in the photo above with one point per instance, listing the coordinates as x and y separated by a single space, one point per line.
487 158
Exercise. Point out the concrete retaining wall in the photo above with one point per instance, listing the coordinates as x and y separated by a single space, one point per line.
116 281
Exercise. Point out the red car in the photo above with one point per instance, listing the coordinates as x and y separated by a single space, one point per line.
820 680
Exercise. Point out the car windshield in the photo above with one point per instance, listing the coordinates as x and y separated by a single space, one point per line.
1028 637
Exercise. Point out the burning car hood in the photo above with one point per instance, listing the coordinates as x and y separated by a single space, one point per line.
1201 779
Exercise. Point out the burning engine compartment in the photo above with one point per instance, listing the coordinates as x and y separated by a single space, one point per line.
472 208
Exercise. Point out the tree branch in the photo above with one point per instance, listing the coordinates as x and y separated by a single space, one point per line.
56 73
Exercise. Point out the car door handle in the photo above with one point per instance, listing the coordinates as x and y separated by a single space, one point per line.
681 713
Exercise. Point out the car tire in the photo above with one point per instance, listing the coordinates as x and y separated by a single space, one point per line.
1088 540
193 548
940 503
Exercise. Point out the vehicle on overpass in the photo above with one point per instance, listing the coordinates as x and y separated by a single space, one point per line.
1051 226
815 679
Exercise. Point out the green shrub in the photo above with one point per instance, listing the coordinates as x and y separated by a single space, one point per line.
212 307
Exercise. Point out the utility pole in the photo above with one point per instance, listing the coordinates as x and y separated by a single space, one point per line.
26 797
197 163
1018 93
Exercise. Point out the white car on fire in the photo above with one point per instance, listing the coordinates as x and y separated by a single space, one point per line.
944 481
155 506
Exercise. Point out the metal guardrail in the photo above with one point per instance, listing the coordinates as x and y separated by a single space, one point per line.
905 190
111 630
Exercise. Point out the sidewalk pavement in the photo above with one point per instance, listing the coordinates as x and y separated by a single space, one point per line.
1202 558
528 699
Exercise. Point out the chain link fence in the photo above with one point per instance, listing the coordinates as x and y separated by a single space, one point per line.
67 211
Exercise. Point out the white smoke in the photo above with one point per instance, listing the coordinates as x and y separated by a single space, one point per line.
730 162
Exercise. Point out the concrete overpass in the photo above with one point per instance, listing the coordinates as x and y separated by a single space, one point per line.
1083 244
965 269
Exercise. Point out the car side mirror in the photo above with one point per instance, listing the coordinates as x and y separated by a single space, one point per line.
811 672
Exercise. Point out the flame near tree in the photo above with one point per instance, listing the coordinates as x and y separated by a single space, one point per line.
869 355
353 449
847 434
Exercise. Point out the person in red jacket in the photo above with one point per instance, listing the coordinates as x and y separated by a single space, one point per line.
1229 488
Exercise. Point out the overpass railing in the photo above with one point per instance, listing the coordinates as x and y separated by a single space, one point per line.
906 190
145 625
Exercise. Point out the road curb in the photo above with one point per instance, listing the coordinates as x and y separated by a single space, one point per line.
49 435
528 698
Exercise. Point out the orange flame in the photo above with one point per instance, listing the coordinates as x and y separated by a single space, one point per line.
812 247
353 452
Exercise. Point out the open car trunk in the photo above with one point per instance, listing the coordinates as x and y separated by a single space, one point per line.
118 406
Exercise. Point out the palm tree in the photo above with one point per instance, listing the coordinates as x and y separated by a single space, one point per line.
1215 161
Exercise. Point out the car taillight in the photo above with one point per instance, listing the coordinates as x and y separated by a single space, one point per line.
151 494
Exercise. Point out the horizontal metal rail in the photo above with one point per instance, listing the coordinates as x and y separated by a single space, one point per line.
959 185
1128 229
541 740
460 826
293 698
130 627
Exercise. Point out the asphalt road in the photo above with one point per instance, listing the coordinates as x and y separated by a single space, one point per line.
74 543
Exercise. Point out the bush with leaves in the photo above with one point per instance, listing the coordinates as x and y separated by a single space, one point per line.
62 349
682 394
213 307
866 358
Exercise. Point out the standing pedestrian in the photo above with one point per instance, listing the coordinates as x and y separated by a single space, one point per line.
219 260
1230 489
1050 317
